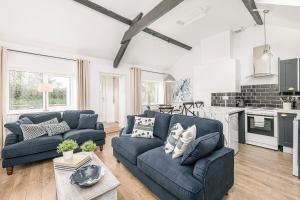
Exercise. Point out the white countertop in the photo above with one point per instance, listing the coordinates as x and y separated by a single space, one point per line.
218 109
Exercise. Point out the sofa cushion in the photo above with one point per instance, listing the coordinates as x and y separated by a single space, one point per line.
204 126
143 127
131 148
34 146
31 131
84 135
72 117
169 174
15 128
130 122
54 129
42 117
87 121
200 148
161 125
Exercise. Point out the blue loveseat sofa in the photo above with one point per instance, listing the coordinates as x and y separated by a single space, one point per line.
209 178
17 152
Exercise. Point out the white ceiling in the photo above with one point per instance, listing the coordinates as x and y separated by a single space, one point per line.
65 25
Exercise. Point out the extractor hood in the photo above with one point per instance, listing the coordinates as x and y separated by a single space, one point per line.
262 62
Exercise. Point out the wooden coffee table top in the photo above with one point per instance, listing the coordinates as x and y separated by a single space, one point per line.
67 191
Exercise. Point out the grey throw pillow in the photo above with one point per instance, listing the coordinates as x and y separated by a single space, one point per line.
15 128
143 127
87 121
54 129
200 148
31 131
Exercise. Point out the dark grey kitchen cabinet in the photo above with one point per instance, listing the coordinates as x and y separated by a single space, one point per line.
288 75
285 129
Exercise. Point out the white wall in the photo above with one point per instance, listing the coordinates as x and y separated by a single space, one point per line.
210 67
284 44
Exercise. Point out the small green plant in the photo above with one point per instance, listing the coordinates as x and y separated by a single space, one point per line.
88 146
67 145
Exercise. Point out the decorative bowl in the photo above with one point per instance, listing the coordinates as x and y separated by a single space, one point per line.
87 176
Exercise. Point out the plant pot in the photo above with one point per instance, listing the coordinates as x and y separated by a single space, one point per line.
287 106
68 155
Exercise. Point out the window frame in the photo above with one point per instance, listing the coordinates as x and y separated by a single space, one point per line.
45 79
158 93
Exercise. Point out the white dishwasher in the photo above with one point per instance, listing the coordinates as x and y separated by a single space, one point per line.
233 132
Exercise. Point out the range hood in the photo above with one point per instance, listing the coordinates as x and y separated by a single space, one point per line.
262 62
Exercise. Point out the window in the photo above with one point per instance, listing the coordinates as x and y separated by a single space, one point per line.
24 94
61 91
152 92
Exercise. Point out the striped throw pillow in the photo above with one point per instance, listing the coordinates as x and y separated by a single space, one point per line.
143 127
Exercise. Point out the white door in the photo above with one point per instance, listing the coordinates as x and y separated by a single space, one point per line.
107 108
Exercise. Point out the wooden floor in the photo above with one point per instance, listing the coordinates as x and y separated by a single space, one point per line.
111 127
260 174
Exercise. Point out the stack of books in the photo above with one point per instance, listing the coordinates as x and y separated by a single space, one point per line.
73 164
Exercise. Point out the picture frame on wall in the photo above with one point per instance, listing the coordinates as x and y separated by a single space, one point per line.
182 90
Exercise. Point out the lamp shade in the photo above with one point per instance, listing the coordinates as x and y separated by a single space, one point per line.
45 87
169 78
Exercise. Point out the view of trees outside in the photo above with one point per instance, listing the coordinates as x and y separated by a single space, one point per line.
23 92
24 95
150 92
59 95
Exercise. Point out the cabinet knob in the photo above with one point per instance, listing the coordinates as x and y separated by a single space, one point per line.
291 89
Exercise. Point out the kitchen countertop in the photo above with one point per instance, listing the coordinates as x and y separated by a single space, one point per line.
218 109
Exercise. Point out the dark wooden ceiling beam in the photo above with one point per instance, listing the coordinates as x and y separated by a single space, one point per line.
157 12
124 45
251 6
127 21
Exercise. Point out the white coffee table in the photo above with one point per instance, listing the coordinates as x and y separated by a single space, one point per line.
105 189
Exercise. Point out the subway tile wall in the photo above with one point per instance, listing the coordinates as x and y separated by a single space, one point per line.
266 95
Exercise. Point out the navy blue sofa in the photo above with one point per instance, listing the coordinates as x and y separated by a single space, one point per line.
209 178
17 152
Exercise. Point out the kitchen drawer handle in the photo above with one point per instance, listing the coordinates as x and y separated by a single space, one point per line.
291 89
283 115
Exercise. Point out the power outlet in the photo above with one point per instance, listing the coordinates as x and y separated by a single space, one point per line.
225 98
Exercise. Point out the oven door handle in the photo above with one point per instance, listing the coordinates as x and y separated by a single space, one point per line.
262 115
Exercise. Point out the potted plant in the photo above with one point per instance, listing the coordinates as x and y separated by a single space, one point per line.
66 148
88 146
287 102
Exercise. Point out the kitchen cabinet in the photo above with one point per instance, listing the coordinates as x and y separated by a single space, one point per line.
289 75
285 129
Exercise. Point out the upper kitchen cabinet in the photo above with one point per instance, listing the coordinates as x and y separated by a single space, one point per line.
289 75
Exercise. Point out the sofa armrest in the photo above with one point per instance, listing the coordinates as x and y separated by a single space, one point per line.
11 139
99 126
122 131
216 173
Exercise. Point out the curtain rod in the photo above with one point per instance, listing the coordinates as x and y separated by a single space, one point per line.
153 72
37 54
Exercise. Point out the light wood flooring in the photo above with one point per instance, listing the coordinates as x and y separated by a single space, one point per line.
260 174
111 127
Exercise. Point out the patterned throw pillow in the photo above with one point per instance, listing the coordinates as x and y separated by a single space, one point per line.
173 137
188 136
31 131
143 127
54 129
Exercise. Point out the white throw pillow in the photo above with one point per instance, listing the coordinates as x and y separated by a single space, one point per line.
31 131
173 137
188 136
143 127
55 129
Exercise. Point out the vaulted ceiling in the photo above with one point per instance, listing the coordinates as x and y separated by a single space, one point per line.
67 26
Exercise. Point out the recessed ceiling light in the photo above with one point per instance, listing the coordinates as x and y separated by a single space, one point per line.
193 16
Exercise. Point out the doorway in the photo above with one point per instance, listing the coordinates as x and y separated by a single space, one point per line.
110 102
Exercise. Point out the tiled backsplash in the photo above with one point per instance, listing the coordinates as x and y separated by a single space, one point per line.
266 95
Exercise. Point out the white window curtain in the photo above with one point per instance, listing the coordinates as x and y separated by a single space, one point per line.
168 86
3 53
136 89
83 84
